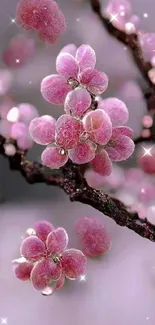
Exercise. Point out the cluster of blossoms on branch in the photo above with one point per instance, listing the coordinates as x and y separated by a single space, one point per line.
14 125
43 16
89 131
45 259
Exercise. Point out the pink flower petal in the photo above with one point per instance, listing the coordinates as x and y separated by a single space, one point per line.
42 229
101 164
116 110
42 129
98 125
122 130
83 153
96 81
68 131
77 101
120 148
54 89
44 272
67 66
86 57
57 241
73 263
69 48
32 248
53 157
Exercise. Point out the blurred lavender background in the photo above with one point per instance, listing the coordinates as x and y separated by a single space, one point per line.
120 287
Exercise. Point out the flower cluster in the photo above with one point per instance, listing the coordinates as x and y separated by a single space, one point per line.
120 14
44 16
46 261
94 238
90 131
14 125
19 50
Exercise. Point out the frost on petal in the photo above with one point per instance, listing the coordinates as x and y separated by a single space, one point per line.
18 130
102 164
77 102
86 57
68 131
120 148
22 269
42 129
27 112
73 263
98 125
116 110
44 273
25 142
54 89
67 66
95 81
69 48
83 153
32 248
42 229
53 157
57 241
93 236
122 130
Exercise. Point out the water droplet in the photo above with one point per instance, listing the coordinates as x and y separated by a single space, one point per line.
30 232
48 291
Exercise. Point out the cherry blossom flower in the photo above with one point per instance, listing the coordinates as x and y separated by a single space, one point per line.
46 260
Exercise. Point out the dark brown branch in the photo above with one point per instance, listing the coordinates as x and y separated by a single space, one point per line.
73 184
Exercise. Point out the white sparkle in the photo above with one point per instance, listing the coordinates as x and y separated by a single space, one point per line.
17 61
153 267
147 151
125 48
145 15
13 20
147 318
78 19
4 320
83 278
30 82
113 18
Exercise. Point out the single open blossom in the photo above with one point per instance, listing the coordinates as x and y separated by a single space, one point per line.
46 260
74 70
44 16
